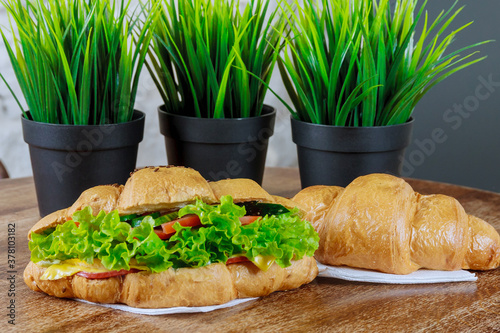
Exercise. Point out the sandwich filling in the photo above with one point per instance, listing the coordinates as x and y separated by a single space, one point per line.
197 235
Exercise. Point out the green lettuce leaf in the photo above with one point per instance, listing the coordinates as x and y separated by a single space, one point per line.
115 243
149 248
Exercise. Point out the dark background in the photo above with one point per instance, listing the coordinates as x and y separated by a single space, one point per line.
465 147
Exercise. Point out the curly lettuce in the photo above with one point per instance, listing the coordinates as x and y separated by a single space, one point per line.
115 243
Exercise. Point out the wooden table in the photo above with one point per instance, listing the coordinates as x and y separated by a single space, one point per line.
323 305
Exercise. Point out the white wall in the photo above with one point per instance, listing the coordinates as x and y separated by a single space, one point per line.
14 151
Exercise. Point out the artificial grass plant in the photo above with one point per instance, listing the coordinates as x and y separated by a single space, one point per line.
363 63
210 59
76 60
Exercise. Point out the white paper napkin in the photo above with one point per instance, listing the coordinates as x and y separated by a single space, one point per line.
163 311
420 276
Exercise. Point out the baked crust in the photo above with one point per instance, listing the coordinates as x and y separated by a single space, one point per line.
241 190
104 197
483 250
250 281
316 201
49 221
209 285
163 188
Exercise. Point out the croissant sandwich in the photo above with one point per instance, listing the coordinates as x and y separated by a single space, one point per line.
170 238
378 222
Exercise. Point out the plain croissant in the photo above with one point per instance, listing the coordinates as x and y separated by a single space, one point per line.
378 222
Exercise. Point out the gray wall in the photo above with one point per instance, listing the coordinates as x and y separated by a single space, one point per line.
456 135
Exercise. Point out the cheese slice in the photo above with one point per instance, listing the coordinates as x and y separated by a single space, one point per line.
263 262
72 266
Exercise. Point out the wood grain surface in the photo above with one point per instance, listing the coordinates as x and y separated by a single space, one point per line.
325 305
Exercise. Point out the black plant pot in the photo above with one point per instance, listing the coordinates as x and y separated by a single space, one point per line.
68 159
219 148
335 155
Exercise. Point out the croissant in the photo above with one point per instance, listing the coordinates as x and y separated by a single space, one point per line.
378 222
161 189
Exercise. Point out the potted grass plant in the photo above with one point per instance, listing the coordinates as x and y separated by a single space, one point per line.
354 71
204 56
78 68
